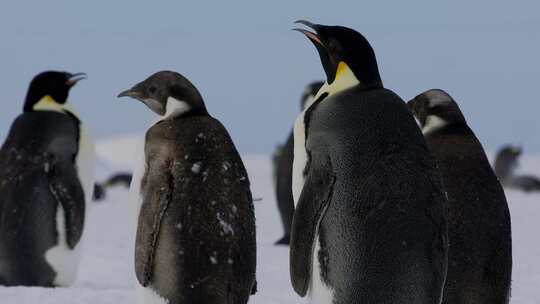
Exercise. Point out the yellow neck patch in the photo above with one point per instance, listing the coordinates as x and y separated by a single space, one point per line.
341 69
47 103
345 79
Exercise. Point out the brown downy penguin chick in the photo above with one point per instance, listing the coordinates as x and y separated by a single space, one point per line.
480 255
196 225
283 162
506 163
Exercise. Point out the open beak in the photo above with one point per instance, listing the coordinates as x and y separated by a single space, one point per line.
74 78
328 63
314 37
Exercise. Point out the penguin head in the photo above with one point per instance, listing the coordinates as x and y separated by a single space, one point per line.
346 56
49 90
510 152
308 96
435 109
167 93
507 160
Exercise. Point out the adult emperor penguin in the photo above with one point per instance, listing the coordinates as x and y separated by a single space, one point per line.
506 163
46 180
195 238
480 253
370 222
283 162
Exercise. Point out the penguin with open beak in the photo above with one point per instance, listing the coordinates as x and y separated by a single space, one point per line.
370 224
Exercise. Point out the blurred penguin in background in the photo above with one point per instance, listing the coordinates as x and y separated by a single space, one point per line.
46 181
283 161
116 180
506 163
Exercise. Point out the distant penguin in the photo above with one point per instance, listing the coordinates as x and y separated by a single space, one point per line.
506 163
46 179
283 162
370 220
480 254
117 179
196 225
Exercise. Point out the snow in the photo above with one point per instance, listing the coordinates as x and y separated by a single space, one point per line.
106 274
196 168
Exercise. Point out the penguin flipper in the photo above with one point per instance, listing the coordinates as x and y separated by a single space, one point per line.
150 218
66 188
310 209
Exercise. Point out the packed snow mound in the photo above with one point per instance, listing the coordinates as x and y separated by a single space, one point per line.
107 273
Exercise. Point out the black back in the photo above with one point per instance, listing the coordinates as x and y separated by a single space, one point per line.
37 173
373 192
480 256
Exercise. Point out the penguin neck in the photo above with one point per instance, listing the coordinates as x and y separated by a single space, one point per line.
345 79
47 103
308 102
177 107
433 124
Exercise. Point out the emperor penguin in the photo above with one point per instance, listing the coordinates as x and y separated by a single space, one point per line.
480 253
195 239
370 224
116 179
283 160
46 180
506 163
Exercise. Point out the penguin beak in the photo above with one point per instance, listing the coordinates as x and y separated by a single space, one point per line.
74 78
329 65
154 105
130 93
310 35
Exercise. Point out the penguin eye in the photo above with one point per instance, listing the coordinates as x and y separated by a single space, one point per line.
152 89
331 46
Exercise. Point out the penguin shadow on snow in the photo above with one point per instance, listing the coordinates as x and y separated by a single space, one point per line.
282 163
505 165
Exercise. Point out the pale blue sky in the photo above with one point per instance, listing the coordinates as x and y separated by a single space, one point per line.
251 68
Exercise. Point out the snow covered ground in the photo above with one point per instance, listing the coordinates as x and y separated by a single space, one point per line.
106 274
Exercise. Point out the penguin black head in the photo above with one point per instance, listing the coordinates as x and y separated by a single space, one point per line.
50 90
345 54
507 160
435 109
309 94
167 93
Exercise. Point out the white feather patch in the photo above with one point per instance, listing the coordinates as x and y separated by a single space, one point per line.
300 157
175 107
135 195
64 261
345 79
433 123
147 295
319 292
